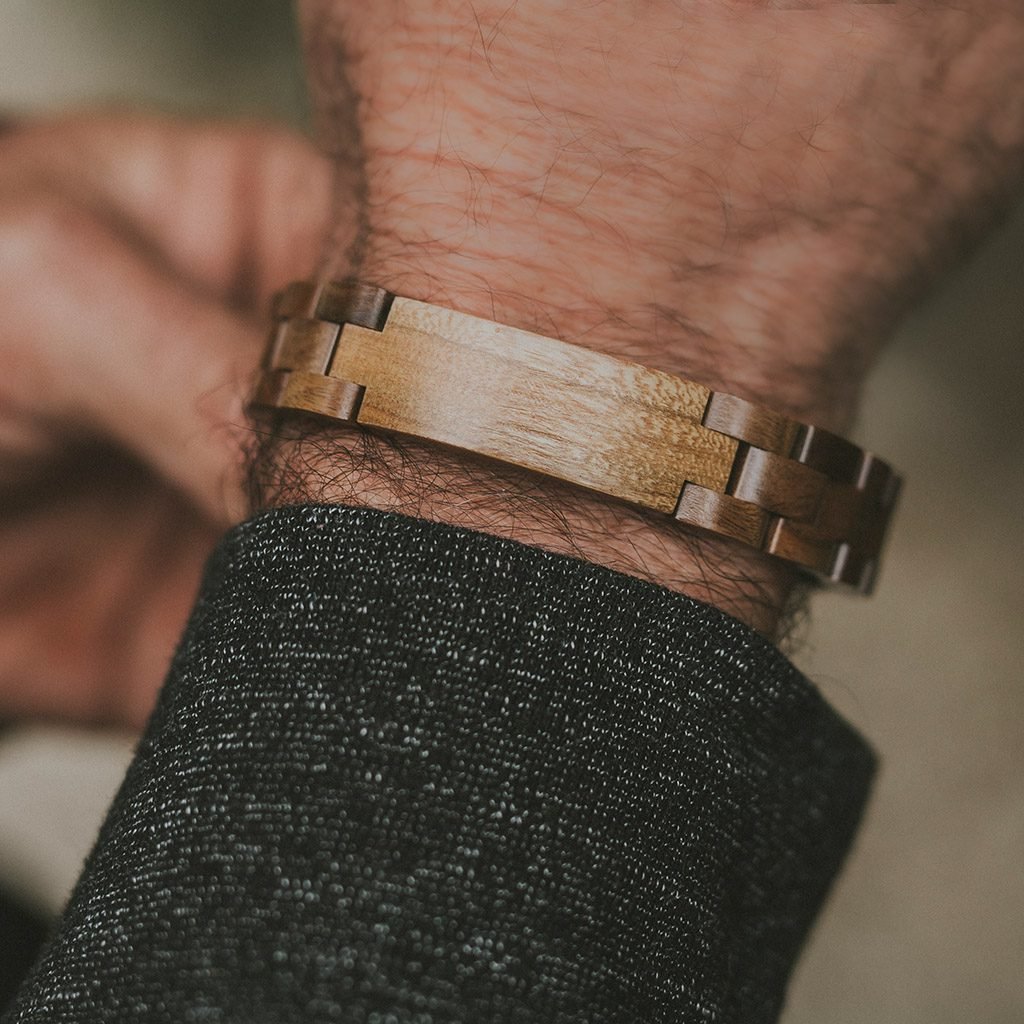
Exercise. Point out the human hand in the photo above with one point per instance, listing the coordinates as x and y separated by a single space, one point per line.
744 194
136 258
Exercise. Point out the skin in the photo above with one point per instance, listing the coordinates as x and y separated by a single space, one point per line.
136 255
745 194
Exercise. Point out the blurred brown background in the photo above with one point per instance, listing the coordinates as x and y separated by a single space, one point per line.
927 924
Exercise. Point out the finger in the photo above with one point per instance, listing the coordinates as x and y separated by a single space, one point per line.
236 209
94 591
101 335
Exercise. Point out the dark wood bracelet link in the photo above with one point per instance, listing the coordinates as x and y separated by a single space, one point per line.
354 352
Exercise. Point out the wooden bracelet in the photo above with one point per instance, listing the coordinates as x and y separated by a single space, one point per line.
356 353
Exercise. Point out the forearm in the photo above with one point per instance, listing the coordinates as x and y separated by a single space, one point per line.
655 186
702 189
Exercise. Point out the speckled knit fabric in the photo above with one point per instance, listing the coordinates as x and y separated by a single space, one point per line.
406 774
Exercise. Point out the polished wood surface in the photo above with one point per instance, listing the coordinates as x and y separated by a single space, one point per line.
356 353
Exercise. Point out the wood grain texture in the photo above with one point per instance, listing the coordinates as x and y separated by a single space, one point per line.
751 423
779 485
309 392
723 514
302 344
337 301
555 409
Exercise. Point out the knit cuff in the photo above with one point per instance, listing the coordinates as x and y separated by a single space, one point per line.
407 773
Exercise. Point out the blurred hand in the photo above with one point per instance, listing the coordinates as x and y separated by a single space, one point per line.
136 256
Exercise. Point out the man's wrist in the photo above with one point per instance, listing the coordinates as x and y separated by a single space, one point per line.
506 183
551 272
558 285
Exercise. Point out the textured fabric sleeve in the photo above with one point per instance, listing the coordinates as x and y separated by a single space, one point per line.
407 774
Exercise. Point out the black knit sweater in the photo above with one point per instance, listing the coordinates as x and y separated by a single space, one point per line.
407 774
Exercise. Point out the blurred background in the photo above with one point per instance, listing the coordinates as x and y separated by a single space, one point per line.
927 924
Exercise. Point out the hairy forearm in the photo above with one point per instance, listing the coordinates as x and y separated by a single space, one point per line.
735 194
532 167
684 184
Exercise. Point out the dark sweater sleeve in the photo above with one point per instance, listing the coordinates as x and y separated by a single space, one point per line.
407 774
